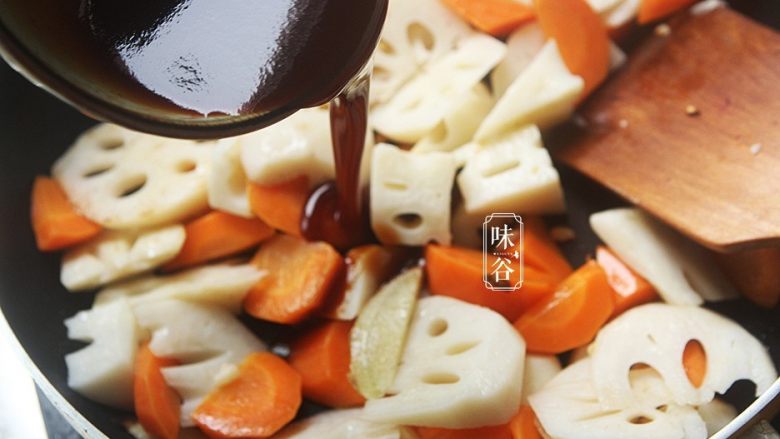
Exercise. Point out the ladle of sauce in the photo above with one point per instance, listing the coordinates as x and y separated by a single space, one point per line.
208 69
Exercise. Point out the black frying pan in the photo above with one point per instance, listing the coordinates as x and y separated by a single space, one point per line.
34 130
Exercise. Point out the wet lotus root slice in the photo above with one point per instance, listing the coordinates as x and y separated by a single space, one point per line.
117 255
127 180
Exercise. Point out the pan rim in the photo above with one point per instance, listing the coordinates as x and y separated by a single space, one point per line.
756 412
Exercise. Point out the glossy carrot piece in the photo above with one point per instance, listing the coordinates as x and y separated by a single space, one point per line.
495 17
541 252
695 362
630 288
581 37
492 432
56 223
263 398
322 358
651 10
281 205
217 235
457 272
300 276
524 424
572 316
157 406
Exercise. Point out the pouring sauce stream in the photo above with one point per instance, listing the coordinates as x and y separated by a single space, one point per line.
334 211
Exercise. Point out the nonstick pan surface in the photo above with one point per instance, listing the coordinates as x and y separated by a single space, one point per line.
35 128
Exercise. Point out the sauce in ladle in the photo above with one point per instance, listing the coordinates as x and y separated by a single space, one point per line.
238 57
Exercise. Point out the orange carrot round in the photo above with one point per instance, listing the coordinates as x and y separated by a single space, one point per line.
495 17
492 432
571 317
263 398
217 235
540 251
156 405
281 205
651 10
300 276
457 272
630 288
581 37
523 425
322 358
56 223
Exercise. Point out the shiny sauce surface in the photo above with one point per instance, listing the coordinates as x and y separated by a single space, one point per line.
232 57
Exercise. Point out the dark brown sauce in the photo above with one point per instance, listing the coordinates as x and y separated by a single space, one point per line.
190 58
334 211
201 58
237 56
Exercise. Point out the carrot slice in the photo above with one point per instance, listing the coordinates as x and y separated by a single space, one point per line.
523 425
55 221
281 205
571 317
156 405
630 288
322 358
457 272
581 37
492 432
216 235
263 398
541 252
300 276
695 362
651 10
496 17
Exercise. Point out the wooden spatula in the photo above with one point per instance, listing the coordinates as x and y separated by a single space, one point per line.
689 129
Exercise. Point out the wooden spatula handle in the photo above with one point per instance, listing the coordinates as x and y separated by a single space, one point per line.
756 273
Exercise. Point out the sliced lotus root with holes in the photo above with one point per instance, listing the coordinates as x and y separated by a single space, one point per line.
103 370
116 255
415 33
512 173
227 182
222 285
568 406
462 367
127 180
544 94
411 196
460 121
427 99
343 424
208 341
656 334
